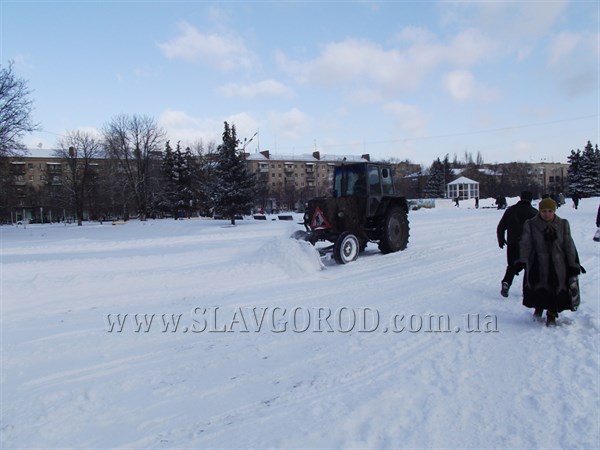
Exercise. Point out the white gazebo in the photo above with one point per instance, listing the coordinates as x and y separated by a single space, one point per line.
463 188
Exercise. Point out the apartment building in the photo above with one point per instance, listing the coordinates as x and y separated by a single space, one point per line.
289 179
26 176
36 171
552 177
36 188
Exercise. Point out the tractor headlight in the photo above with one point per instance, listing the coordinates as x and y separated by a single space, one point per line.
340 214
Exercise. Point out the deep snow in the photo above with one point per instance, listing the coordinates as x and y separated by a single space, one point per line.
68 381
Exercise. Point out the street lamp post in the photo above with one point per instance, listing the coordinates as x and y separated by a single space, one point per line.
246 142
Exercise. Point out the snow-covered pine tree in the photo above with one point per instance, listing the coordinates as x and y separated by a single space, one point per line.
177 192
448 173
233 187
165 202
589 171
574 172
189 181
435 186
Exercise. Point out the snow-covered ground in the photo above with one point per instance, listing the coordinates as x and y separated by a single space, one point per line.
274 348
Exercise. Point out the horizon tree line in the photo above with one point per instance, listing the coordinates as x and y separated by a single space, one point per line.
139 171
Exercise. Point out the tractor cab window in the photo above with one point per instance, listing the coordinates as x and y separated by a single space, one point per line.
350 180
374 181
387 182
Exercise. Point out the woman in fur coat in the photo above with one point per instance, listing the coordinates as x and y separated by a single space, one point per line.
551 264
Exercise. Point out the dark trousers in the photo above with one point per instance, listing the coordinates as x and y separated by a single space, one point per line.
512 255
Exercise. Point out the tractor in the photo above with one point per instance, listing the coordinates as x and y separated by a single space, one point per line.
364 207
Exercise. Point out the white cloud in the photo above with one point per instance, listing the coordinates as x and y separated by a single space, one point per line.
563 45
508 22
412 34
503 28
408 117
374 71
459 84
572 59
188 129
174 119
245 125
291 124
92 131
468 48
263 88
354 60
524 147
220 51
462 86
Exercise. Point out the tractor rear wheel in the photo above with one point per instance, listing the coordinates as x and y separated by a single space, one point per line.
394 235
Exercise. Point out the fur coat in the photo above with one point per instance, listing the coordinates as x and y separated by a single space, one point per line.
550 257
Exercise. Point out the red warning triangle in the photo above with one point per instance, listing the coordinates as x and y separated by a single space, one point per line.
319 221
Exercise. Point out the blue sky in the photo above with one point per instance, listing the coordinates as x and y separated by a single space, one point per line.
407 80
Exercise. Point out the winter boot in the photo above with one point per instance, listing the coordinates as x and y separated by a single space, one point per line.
505 288
537 314
551 318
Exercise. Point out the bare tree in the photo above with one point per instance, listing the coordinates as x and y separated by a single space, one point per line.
479 159
79 150
15 112
135 142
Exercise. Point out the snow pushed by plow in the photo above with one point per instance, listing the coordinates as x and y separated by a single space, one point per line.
292 256
193 334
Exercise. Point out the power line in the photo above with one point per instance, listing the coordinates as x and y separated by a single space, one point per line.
465 133
364 143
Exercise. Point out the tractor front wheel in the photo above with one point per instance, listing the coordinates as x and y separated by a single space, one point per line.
346 248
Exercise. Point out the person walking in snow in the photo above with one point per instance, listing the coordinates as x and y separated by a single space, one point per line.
575 197
597 234
511 223
551 262
501 202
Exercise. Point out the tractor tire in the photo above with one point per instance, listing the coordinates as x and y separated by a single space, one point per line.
346 248
394 234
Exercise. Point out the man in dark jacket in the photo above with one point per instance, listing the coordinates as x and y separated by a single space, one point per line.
512 222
